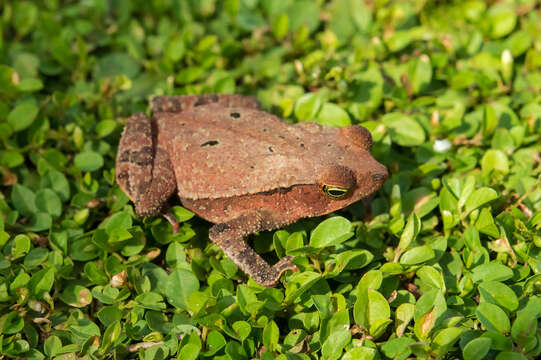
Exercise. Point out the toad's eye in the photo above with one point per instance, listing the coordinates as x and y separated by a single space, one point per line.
335 192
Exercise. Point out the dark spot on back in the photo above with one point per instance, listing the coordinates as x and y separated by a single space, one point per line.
271 149
235 115
142 157
210 143
122 175
265 130
206 99
302 145
251 166
281 136
125 156
218 228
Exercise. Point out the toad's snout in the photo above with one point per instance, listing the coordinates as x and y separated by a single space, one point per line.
380 175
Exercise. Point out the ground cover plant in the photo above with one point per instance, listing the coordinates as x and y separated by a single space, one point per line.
443 262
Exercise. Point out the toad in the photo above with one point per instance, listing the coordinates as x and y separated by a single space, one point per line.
242 169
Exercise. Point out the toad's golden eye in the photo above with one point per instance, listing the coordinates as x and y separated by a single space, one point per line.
335 192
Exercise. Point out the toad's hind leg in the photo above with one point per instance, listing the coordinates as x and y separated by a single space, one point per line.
229 237
177 104
143 169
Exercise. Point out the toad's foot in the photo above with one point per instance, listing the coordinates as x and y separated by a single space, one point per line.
277 270
172 220
229 237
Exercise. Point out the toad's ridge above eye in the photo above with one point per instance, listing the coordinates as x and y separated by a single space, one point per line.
334 192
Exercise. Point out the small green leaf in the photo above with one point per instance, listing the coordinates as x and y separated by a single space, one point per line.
52 346
76 296
42 282
493 271
308 106
22 116
271 335
494 160
48 202
333 115
499 294
24 200
501 21
331 232
417 255
88 161
180 284
476 349
479 198
445 339
11 323
404 130
493 318
242 328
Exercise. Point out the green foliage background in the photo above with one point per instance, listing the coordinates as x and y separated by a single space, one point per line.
445 262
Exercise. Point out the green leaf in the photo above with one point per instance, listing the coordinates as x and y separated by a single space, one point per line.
308 106
411 230
431 277
298 283
445 339
333 115
56 181
76 296
242 329
271 335
52 346
180 284
494 160
24 200
105 127
479 198
331 232
508 355
21 246
398 348
116 64
493 318
476 349
498 294
485 224
25 16
334 345
501 20
22 116
42 282
420 73
215 342
12 323
39 221
403 315
417 255
48 202
493 271
404 130
88 161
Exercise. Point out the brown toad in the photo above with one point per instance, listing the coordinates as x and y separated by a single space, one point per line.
243 169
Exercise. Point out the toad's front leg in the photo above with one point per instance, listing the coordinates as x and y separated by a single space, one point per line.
143 169
229 236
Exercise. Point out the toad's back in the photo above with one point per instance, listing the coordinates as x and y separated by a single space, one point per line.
221 152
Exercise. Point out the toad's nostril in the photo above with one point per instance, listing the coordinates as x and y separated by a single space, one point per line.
378 177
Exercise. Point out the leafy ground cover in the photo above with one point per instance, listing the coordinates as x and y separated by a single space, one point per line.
444 262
